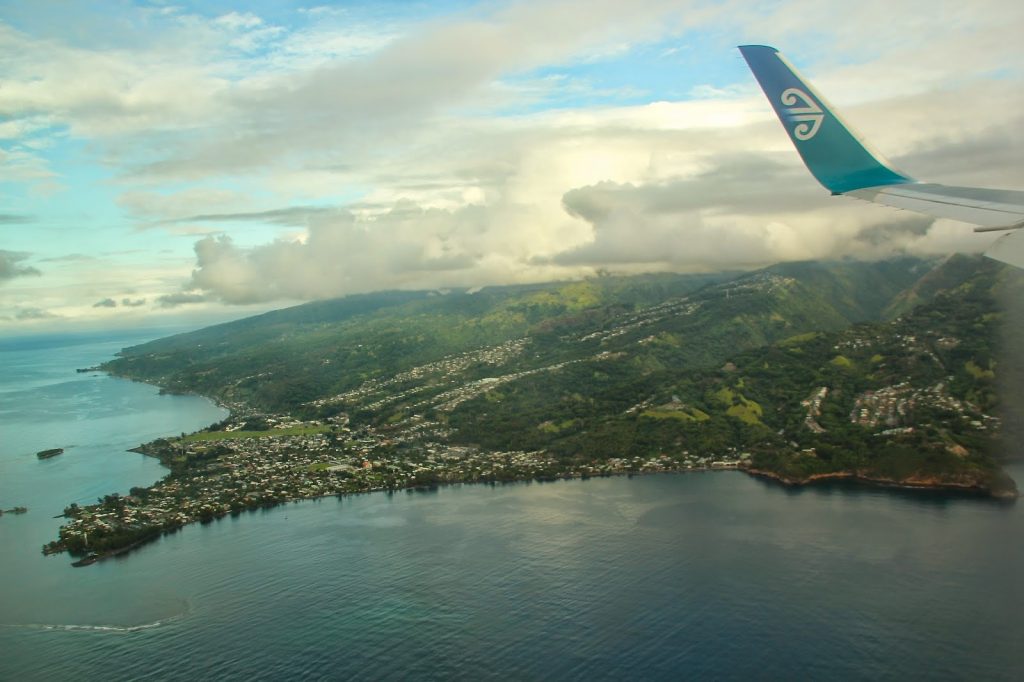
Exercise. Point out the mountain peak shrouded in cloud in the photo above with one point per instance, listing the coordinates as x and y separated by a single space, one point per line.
247 155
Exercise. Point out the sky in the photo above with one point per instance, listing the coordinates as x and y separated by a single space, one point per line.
177 161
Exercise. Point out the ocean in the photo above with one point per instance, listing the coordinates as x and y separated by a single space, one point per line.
710 575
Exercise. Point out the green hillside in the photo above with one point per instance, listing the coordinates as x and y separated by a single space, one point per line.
642 367
283 359
913 401
795 372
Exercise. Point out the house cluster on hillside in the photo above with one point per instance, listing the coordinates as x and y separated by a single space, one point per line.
813 405
447 366
678 307
893 406
229 474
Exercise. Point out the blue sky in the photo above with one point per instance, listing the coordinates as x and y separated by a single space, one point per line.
166 160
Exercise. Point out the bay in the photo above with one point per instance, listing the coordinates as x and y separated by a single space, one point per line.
702 575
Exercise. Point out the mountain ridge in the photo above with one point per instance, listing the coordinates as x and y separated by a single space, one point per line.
411 327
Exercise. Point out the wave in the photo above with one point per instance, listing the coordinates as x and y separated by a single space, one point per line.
92 628
73 627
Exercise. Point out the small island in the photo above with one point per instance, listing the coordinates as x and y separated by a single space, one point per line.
14 510
52 452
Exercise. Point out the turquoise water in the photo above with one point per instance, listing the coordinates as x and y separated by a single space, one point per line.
45 404
710 575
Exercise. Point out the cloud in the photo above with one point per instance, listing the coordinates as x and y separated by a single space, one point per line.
511 205
105 303
293 216
15 219
104 90
408 246
10 268
22 165
69 258
729 215
133 303
174 300
348 109
235 21
157 207
34 314
351 152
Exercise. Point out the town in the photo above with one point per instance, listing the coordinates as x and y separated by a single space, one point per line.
237 470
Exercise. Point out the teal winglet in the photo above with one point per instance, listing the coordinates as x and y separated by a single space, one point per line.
830 150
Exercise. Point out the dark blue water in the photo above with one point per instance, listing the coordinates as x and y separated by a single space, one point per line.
713 575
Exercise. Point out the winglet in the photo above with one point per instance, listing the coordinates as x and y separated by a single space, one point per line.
830 150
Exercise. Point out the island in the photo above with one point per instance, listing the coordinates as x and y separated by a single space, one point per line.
52 452
878 373
14 510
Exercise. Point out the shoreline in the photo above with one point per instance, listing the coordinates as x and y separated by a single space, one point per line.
911 484
163 390
934 485
95 557
974 492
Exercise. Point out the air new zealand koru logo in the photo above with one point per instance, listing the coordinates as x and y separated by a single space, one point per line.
803 112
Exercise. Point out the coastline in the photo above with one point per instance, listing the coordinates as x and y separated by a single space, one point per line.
90 558
137 535
910 483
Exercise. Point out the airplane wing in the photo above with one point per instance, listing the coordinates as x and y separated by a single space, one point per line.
844 164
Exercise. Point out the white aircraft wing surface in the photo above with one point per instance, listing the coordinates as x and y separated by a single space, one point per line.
844 165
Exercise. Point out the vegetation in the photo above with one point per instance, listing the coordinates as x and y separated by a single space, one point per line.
723 367
797 371
200 436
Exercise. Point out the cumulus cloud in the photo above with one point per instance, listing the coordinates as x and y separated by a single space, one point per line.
696 199
668 225
133 303
686 185
410 247
105 303
756 207
339 157
10 266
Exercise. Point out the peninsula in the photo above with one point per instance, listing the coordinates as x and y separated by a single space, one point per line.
883 373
